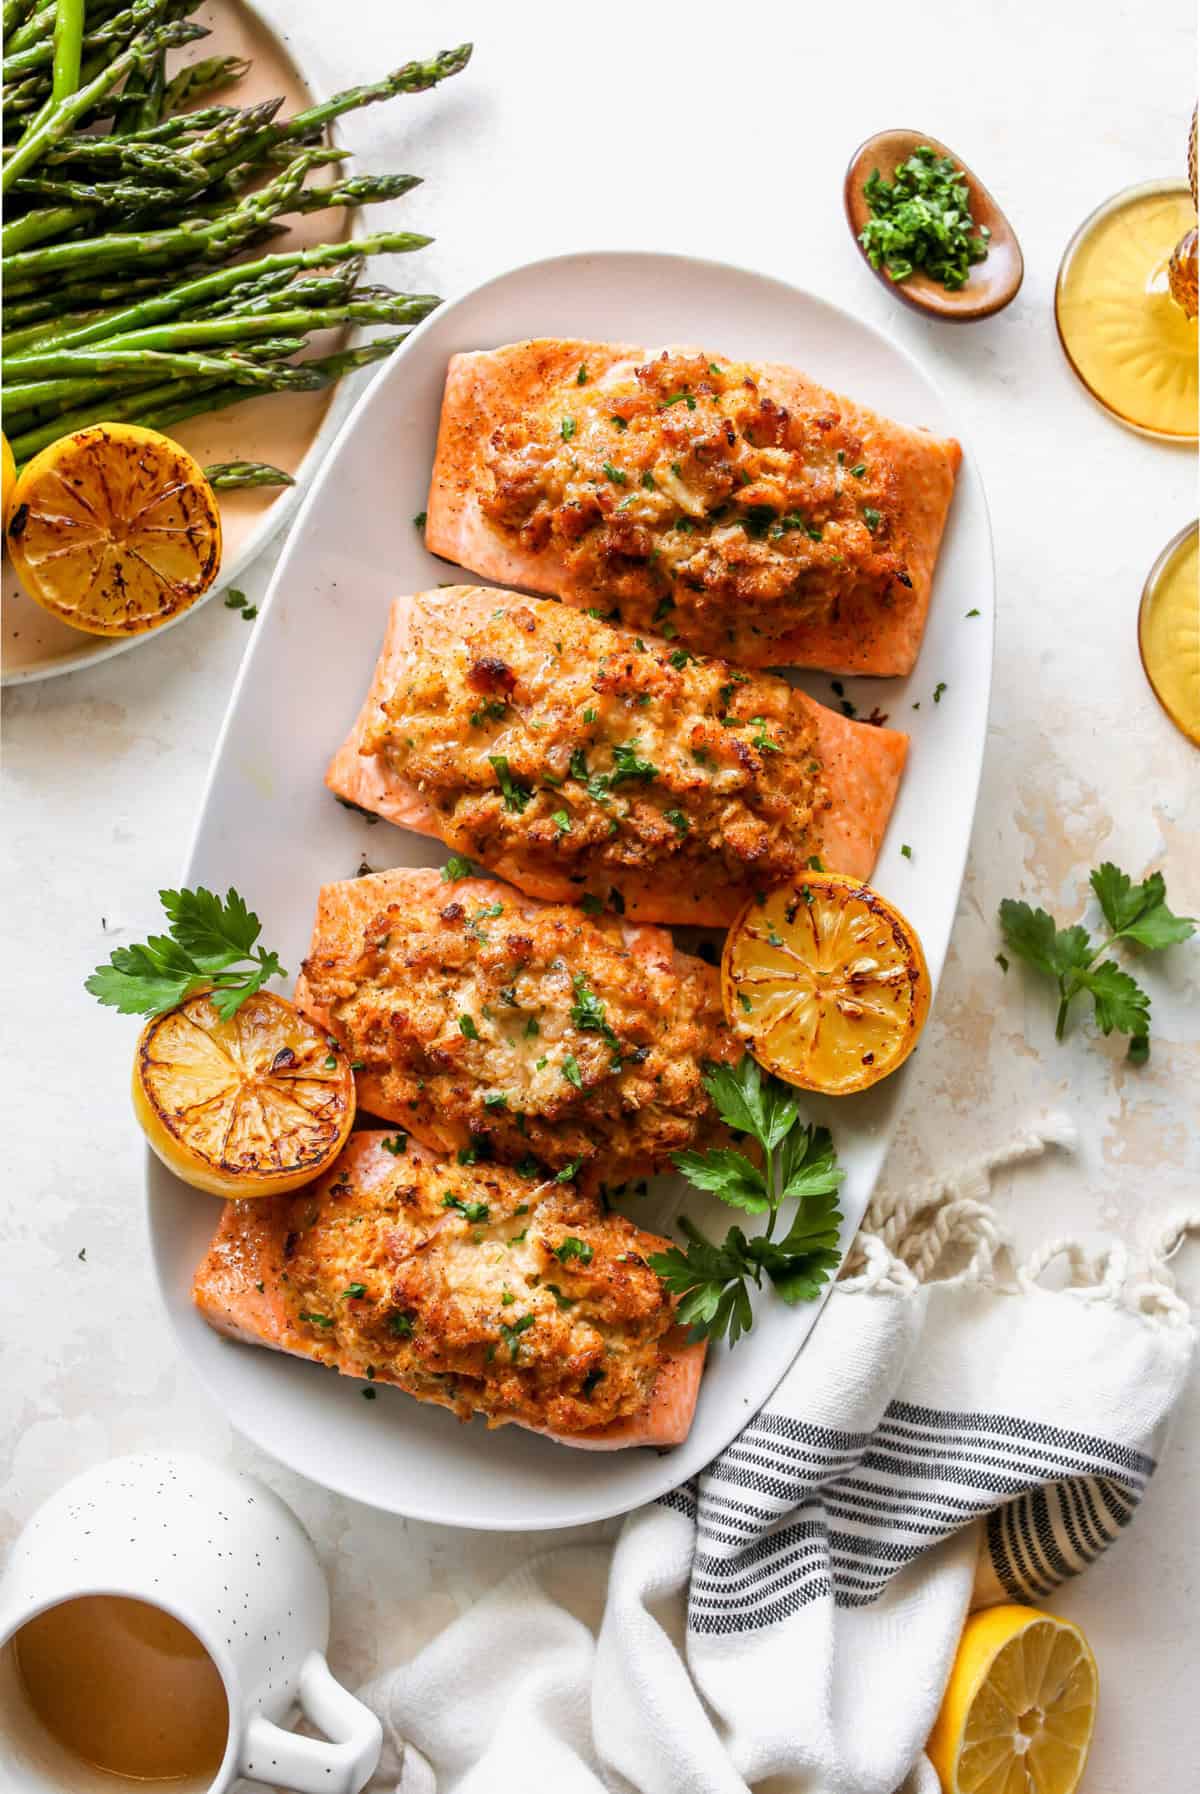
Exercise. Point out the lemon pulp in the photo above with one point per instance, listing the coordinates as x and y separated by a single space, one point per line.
1019 1708
826 983
1125 336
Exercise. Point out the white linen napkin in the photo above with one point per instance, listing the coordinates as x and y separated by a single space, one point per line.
788 1620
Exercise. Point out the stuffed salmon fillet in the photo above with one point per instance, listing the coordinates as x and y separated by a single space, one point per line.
756 514
469 1286
490 1025
585 762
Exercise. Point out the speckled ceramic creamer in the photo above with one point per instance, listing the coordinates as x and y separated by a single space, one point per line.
223 1555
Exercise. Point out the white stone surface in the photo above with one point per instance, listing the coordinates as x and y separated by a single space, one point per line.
719 130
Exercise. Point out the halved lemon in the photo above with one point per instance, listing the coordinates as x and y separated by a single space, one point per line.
114 530
1019 1708
826 983
253 1106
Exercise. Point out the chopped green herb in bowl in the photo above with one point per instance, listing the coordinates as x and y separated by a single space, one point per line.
922 221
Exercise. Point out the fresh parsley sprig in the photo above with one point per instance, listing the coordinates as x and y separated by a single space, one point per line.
208 938
1136 913
798 1164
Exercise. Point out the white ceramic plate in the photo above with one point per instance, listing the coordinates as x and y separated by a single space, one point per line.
289 430
270 828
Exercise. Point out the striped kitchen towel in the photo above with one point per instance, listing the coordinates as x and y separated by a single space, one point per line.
954 1433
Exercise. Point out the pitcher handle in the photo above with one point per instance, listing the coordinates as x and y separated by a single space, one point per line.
344 1765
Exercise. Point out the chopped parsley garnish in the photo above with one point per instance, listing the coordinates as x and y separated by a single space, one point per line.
591 905
560 1300
466 1027
491 712
588 1015
316 1320
906 850
421 519
512 1335
923 220
571 1248
397 1145
938 689
532 1030
622 423
761 740
568 1172
354 1292
495 1099
858 472
473 1211
457 867
679 658
562 822
627 764
872 518
615 474
515 796
567 428
677 820
571 1071
973 613
401 1324
589 715
678 398
581 378
648 481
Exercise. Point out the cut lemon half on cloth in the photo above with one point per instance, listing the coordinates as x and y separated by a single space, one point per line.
251 1106
114 530
826 983
1019 1708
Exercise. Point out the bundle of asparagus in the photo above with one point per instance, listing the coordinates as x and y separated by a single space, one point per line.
130 215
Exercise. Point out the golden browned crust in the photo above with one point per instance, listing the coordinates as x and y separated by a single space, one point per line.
483 1020
468 1286
759 515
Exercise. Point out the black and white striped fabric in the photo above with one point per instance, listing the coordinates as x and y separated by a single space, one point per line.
793 1512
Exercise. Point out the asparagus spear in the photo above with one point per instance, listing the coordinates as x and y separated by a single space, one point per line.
325 372
211 240
203 332
207 76
227 476
68 48
57 118
209 287
108 361
42 396
14 14
108 157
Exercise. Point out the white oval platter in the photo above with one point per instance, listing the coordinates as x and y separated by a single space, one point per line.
270 827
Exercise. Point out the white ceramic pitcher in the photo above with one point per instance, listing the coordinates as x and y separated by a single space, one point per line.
223 1555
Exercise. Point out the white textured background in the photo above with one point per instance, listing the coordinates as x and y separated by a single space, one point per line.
724 131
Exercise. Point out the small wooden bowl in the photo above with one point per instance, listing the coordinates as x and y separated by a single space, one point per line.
991 284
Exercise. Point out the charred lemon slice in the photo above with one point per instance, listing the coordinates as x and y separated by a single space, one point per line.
114 530
826 983
259 1104
10 474
1019 1708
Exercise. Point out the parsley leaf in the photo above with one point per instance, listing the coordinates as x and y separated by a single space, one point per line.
923 220
1137 913
515 796
711 1279
208 937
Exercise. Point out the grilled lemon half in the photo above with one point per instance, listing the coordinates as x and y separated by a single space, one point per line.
252 1106
826 983
114 530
